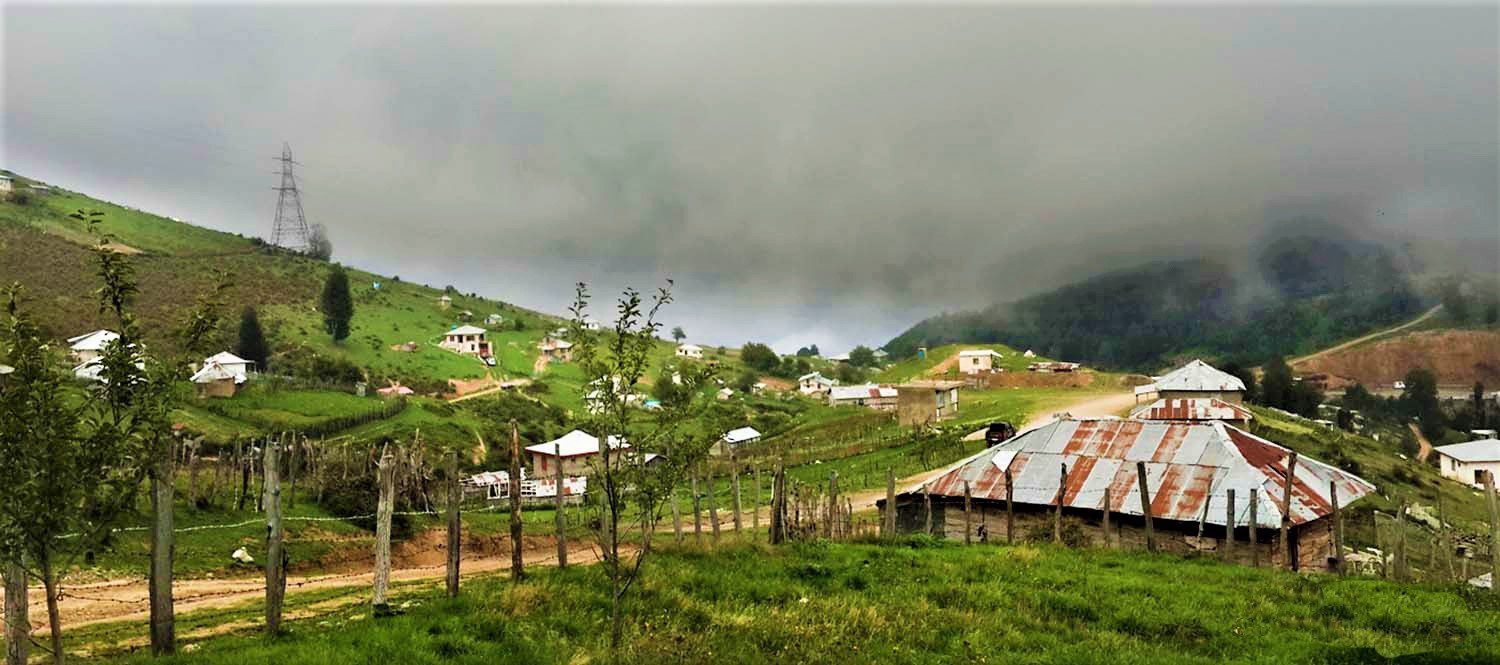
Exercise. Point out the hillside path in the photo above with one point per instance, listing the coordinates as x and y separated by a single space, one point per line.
1360 340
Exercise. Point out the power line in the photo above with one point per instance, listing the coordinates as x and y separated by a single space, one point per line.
290 231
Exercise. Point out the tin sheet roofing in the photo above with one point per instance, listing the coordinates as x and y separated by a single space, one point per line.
1192 409
1199 376
1189 468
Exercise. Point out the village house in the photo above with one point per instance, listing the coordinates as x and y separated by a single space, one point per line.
690 351
1196 379
1093 466
444 302
926 402
880 398
467 340
90 346
592 324
1194 410
494 320
1468 462
814 383
556 350
216 380
735 438
977 361
574 451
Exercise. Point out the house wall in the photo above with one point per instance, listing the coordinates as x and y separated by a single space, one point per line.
920 405
545 466
1312 542
975 364
220 388
1233 397
1464 472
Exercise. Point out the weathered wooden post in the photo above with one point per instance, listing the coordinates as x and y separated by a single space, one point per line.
516 568
560 516
927 507
275 554
1285 545
1401 567
778 506
1062 486
385 474
163 629
713 506
833 501
697 514
291 473
1229 524
1254 529
968 518
1108 508
1489 493
890 503
676 518
1010 510
1443 541
17 621
1140 471
455 542
755 507
734 487
1338 528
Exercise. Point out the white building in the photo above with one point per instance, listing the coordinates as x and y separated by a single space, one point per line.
735 438
690 351
574 450
6 183
1468 462
235 365
977 361
814 383
468 340
880 398
89 346
1195 380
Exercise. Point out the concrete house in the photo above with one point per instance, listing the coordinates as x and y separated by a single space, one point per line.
89 346
556 350
1190 467
1194 380
466 340
1468 462
216 380
814 383
926 402
735 438
690 351
977 361
574 451
231 363
880 398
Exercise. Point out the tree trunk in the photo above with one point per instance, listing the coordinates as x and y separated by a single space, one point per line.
163 630
54 616
455 495
17 621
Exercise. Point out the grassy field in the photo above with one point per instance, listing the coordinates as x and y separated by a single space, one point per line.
918 601
915 368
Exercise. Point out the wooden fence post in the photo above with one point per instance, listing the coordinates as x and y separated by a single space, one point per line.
833 500
1402 570
1489 493
755 505
386 476
1140 470
275 553
1062 486
1108 507
163 629
1254 529
291 473
517 570
927 507
1285 545
697 514
560 516
676 518
1229 524
968 520
778 505
1338 528
1010 510
713 506
734 487
1443 542
455 541
890 502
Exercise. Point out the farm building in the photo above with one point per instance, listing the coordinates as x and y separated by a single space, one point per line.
556 350
216 380
1468 462
89 346
1196 379
1194 410
574 450
467 340
977 361
690 351
494 320
880 398
735 438
1052 366
592 324
1190 467
814 383
495 486
926 402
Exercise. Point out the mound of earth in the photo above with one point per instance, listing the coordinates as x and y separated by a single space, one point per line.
1457 357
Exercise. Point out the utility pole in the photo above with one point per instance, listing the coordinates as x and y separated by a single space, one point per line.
290 231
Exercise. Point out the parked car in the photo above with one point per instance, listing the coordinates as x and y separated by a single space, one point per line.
998 432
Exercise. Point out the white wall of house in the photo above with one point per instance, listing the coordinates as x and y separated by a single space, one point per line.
1466 472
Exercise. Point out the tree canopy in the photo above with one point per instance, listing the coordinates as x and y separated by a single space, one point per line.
337 304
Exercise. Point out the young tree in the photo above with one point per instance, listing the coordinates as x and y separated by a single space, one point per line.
759 357
862 356
1420 399
678 335
625 486
318 244
337 305
1480 417
252 344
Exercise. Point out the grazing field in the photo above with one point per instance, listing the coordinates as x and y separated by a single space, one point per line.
1011 360
916 601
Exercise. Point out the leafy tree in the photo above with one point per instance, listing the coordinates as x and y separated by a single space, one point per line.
808 351
1246 375
620 486
337 305
1276 384
746 381
252 344
759 356
678 335
862 356
1420 398
847 373
1477 404
318 244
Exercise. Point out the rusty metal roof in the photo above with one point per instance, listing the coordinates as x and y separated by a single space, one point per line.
1189 467
1192 409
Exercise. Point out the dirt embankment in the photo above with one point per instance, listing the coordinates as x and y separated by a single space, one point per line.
1457 357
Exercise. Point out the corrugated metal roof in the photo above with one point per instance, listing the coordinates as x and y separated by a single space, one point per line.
1199 376
1192 409
1189 467
1484 450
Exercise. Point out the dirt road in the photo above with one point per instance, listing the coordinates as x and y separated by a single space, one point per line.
1360 340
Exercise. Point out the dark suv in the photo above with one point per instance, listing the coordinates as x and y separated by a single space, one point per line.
998 433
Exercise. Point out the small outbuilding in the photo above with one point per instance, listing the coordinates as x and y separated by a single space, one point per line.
1195 380
880 398
814 383
977 361
1469 462
690 351
735 438
926 402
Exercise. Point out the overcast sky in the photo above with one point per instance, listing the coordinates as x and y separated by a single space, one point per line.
805 175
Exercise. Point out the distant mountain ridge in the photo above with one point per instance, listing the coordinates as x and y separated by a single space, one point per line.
1308 285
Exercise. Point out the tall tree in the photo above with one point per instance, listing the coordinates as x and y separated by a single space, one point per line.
759 356
252 344
678 335
1480 417
1420 399
337 304
862 356
1276 384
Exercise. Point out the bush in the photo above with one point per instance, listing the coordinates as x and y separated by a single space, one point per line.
355 498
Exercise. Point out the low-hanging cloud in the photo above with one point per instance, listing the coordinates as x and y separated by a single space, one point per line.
821 175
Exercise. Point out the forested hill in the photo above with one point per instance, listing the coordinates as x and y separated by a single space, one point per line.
1304 290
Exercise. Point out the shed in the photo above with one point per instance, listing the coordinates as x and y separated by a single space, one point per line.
926 402
977 361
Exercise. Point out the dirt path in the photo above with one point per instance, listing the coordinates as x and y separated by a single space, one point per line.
1360 340
1424 447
